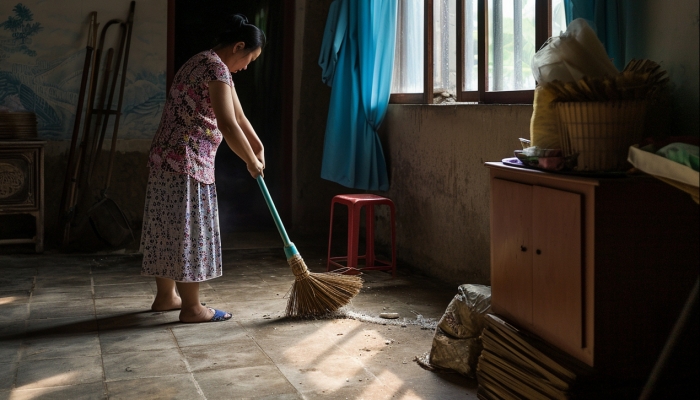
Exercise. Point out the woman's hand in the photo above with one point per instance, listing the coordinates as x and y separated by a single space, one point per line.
260 155
256 169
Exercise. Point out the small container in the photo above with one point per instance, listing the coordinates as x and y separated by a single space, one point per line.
525 143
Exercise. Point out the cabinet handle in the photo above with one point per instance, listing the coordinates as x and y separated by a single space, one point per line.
538 252
523 248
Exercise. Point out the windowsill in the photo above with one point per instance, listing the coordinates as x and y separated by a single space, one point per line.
461 104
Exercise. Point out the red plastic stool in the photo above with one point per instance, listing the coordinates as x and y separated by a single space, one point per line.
355 202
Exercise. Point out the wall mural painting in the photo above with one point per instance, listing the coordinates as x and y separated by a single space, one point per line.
42 50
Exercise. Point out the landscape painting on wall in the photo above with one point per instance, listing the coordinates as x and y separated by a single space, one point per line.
42 51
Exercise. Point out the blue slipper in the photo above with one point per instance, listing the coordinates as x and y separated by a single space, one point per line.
220 315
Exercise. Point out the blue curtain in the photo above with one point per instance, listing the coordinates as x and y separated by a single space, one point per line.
606 19
357 59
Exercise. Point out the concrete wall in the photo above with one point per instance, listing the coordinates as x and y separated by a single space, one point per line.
668 33
440 185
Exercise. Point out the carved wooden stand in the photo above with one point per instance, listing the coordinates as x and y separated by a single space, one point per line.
22 185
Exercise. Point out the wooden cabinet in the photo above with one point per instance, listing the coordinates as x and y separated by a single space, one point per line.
22 185
541 245
600 268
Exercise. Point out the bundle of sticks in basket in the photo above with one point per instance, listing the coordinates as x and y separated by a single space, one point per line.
640 80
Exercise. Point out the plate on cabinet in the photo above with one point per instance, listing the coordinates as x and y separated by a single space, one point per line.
514 162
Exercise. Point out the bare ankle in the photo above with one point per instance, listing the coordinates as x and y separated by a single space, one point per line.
166 303
197 313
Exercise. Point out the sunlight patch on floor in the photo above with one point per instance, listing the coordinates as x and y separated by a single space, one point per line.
54 380
391 380
8 300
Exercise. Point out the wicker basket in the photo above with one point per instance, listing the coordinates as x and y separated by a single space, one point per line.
601 132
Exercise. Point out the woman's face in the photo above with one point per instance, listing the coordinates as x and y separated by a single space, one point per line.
241 57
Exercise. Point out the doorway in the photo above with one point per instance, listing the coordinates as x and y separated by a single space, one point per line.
265 92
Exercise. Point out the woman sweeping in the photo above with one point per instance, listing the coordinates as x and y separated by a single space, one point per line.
180 241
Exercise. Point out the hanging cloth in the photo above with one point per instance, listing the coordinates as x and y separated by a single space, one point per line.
606 19
357 59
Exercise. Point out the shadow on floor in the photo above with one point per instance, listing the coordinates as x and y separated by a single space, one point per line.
80 326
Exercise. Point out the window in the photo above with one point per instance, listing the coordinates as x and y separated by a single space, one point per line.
470 50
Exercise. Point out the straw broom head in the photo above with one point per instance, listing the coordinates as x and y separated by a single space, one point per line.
311 294
314 294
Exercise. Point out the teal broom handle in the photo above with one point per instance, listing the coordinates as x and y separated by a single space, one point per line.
289 248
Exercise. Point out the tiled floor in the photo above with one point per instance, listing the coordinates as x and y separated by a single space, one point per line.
79 327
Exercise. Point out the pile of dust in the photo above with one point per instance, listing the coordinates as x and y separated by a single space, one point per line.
424 323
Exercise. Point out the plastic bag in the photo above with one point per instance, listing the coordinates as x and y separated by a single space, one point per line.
459 355
544 124
457 344
574 54
568 58
464 316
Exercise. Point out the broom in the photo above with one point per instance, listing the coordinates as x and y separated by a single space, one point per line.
311 294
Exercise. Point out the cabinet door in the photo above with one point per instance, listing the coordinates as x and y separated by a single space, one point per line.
511 252
557 277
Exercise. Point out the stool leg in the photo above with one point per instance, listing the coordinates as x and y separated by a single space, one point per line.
330 239
369 236
353 234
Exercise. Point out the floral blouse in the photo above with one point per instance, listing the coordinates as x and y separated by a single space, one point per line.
187 137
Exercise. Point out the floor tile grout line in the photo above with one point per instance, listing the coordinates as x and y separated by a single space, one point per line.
357 360
187 365
26 325
31 298
105 389
362 364
270 358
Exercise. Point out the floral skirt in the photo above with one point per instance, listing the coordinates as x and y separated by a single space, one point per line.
180 239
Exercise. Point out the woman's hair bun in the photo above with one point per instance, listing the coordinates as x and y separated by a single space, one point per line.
238 20
237 29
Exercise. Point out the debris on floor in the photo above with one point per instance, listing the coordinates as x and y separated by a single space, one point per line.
424 323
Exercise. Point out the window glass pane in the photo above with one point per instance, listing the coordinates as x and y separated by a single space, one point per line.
408 56
471 45
445 46
511 44
558 17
